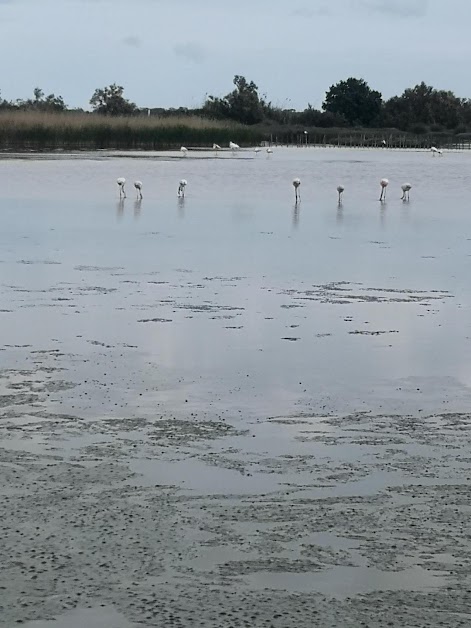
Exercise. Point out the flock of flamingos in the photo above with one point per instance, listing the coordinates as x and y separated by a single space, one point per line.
406 187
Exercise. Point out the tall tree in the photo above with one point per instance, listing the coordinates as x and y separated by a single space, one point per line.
40 102
110 101
354 100
424 105
243 104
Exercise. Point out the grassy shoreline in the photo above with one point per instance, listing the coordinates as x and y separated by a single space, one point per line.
46 132
25 131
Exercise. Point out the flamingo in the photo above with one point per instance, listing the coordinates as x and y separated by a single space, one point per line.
257 149
121 181
269 151
181 188
138 186
405 191
340 190
296 184
383 143
435 151
234 146
216 147
184 151
384 184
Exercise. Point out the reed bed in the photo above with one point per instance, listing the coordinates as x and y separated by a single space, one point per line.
37 131
26 131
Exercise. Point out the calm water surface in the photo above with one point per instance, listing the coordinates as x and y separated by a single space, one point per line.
233 298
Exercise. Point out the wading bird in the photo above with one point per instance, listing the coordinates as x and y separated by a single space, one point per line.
121 181
405 191
216 147
296 184
435 151
269 151
257 149
181 188
234 146
340 190
384 184
138 186
184 151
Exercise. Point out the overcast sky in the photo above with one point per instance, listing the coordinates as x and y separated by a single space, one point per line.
172 52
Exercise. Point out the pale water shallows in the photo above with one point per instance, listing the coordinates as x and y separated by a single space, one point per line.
298 370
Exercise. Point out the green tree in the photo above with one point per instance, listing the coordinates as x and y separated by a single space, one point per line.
354 100
38 94
110 101
40 102
424 105
243 104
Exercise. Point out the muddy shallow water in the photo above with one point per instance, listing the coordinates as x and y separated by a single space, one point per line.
230 404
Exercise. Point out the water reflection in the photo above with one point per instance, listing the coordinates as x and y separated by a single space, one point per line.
120 208
137 208
405 213
382 213
296 208
339 216
181 206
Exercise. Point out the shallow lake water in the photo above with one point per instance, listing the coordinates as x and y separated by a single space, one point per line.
235 281
234 346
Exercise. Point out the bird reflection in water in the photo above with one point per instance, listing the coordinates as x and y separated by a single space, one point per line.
382 214
137 208
339 216
120 208
181 206
296 210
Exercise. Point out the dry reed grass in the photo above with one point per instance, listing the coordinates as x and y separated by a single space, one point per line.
30 130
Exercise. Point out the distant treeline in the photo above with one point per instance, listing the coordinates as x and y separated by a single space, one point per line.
353 114
348 104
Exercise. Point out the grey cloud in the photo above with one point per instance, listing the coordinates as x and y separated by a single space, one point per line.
397 8
191 51
133 41
308 12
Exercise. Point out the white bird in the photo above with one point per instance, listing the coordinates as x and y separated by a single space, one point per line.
340 190
216 147
257 149
184 151
383 142
435 151
138 186
269 151
384 184
405 191
181 188
121 181
234 146
296 184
